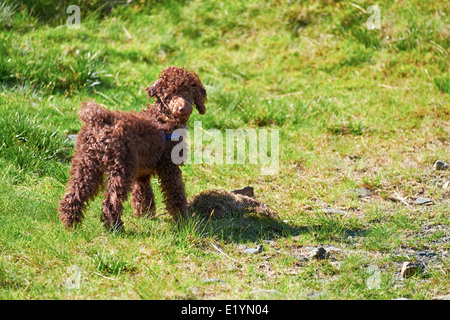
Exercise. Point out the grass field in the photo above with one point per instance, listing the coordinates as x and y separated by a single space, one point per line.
363 115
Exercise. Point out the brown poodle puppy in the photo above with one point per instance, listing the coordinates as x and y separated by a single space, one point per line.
129 148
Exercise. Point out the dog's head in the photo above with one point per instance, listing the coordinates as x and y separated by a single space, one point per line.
178 90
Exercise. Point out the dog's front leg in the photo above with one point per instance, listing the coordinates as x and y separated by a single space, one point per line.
172 187
142 197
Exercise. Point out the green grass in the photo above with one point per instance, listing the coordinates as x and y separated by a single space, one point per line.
355 108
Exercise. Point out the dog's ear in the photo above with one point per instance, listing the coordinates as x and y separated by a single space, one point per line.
200 99
151 91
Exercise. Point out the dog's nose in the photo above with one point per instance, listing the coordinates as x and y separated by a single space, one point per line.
183 108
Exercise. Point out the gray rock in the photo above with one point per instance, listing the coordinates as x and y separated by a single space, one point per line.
314 295
442 240
399 286
441 165
254 250
426 254
322 204
354 157
361 192
212 280
265 293
333 211
300 259
318 253
194 290
444 297
423 201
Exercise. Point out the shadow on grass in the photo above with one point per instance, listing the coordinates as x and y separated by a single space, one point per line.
236 228
240 227
250 228
236 218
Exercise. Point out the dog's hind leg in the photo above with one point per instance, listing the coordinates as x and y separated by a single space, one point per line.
85 181
121 174
142 197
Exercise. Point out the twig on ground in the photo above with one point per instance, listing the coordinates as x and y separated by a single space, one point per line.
221 252
357 7
99 274
400 198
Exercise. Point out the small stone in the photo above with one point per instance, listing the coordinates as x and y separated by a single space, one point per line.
270 242
426 254
246 191
444 297
409 269
318 253
333 211
212 280
399 286
194 290
254 250
446 185
314 295
300 259
361 192
441 165
322 203
265 293
443 240
423 201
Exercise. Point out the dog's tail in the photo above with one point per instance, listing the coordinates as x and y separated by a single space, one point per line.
91 113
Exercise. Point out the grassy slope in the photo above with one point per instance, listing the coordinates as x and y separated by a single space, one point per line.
355 108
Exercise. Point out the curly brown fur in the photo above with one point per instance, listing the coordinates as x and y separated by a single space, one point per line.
221 204
129 148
